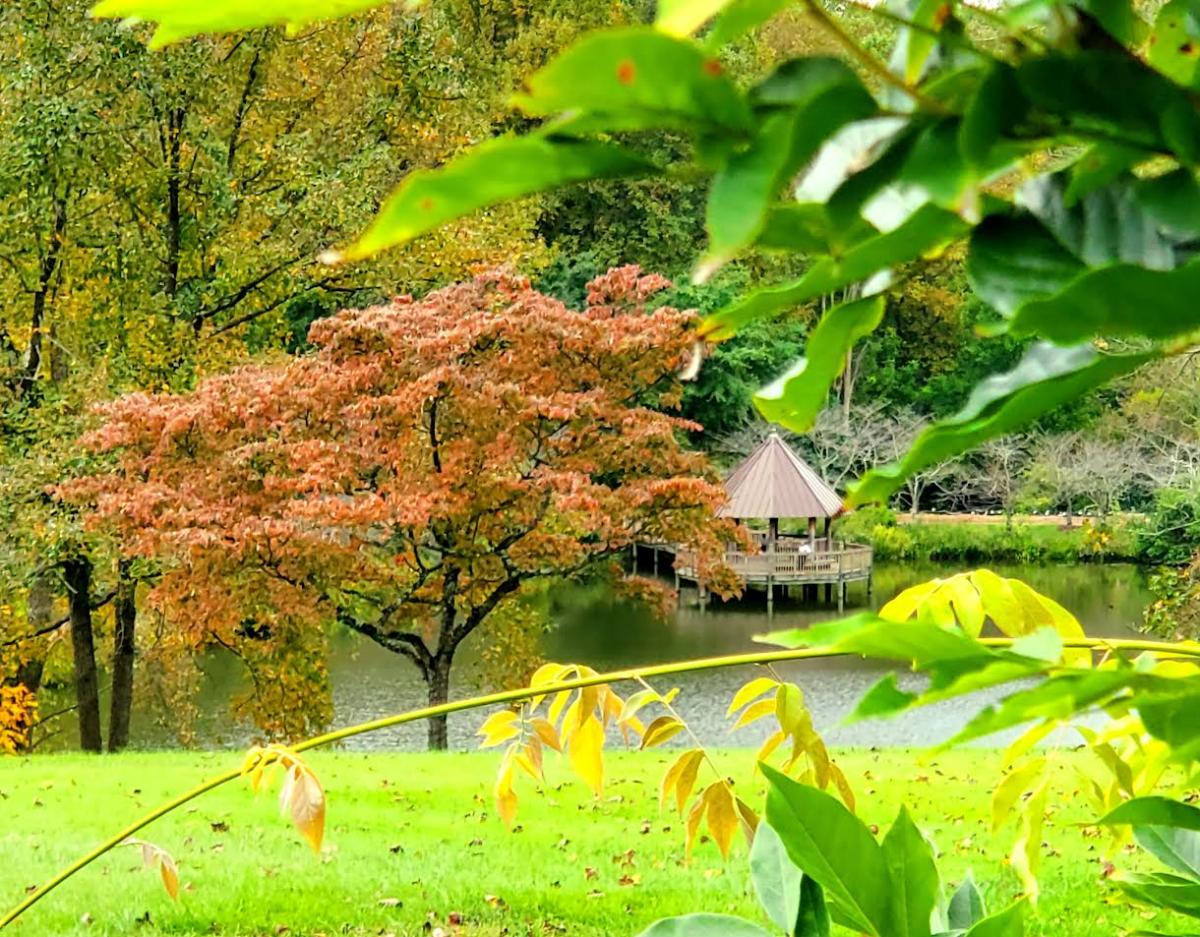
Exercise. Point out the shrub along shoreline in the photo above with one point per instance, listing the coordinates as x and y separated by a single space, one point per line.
1086 541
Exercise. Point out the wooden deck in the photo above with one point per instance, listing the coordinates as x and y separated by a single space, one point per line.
830 563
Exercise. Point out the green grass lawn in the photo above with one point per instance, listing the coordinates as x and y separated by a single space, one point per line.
413 844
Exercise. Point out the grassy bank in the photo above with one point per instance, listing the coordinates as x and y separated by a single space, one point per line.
413 843
968 542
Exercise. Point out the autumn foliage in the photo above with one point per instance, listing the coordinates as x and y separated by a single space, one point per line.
415 471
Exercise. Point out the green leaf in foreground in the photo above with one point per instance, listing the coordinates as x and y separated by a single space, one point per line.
1119 301
182 19
776 878
684 17
1163 891
914 877
494 172
704 925
834 848
798 396
1048 376
1154 811
927 230
740 17
1175 848
644 79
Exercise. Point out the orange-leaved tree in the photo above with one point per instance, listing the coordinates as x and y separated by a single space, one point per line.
414 472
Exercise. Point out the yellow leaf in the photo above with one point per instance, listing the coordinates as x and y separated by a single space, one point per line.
1027 851
722 816
905 605
304 799
749 819
570 720
661 730
533 752
769 746
499 728
556 708
694 818
789 707
843 786
546 732
1009 790
586 754
676 773
506 798
751 691
170 875
754 712
589 699
527 765
968 607
1022 745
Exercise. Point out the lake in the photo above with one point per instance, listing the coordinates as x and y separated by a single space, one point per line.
593 628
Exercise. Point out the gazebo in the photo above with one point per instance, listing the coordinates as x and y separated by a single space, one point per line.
774 484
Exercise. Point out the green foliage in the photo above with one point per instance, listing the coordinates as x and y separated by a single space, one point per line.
987 543
799 395
898 160
1170 534
813 862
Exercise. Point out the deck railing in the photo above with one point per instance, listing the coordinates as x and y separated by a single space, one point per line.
787 561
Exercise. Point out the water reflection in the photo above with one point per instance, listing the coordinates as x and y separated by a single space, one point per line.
593 627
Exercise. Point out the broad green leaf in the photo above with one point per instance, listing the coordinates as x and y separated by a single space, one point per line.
914 877
1162 891
494 172
799 395
929 229
776 878
1046 377
1119 19
811 99
885 698
181 19
1154 811
966 906
1008 923
1174 45
1099 165
834 848
1014 260
641 78
704 925
806 228
813 920
1175 848
998 106
1171 716
1105 226
684 17
1114 92
1173 201
1056 698
740 17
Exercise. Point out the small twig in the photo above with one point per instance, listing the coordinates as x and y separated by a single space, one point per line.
871 63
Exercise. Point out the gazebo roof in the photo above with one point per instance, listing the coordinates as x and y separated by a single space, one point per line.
775 482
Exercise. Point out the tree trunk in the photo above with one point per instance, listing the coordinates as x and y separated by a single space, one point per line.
78 575
125 614
439 693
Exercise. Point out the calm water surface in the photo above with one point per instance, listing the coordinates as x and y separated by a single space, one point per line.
592 627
